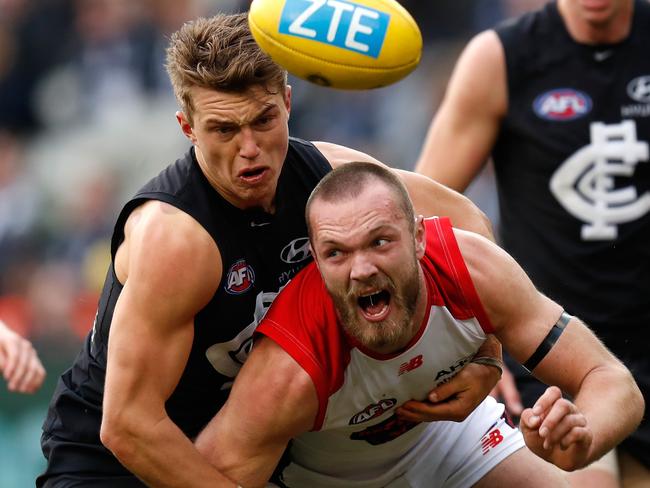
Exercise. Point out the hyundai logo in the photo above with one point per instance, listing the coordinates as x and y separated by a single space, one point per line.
639 89
296 251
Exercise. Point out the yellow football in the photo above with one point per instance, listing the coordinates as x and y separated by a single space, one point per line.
345 44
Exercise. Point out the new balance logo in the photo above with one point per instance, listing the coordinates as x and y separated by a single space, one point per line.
490 440
414 363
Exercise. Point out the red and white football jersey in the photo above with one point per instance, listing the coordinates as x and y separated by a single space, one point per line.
357 436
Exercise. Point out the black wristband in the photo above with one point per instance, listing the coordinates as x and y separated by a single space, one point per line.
548 342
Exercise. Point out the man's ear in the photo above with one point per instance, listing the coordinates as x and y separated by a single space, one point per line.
186 126
313 255
287 98
420 237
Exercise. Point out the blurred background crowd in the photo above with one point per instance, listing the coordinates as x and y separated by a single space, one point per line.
87 116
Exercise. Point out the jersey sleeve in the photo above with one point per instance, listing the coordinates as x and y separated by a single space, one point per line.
302 320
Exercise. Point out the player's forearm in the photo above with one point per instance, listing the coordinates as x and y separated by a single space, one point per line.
160 454
251 468
609 393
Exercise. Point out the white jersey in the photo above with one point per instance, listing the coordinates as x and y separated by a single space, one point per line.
357 440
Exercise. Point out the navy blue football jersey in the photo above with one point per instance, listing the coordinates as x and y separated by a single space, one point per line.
260 253
572 163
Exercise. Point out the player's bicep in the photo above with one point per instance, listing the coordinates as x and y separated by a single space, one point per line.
272 400
152 326
524 319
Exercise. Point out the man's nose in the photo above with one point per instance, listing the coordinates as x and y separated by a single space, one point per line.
248 147
362 267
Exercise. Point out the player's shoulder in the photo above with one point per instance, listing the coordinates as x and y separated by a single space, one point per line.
337 154
471 242
480 62
158 232
161 220
487 263
453 248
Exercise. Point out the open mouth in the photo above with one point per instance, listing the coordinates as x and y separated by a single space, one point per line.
252 175
374 306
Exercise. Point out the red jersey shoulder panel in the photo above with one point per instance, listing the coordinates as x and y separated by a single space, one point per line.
451 282
312 336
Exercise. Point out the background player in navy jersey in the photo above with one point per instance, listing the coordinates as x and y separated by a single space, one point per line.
198 255
19 363
560 98
390 300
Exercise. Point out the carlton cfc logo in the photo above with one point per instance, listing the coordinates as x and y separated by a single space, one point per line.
240 278
562 104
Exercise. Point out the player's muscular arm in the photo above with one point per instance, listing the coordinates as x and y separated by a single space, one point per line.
465 128
272 400
575 433
170 268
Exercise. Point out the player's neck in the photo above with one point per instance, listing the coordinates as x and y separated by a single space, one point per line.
592 28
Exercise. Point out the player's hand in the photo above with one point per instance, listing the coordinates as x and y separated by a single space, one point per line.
19 363
557 431
506 391
456 399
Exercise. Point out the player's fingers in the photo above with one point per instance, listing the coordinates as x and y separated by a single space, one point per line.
33 377
531 434
415 411
447 390
411 415
562 417
545 402
562 428
529 420
12 354
577 435
18 363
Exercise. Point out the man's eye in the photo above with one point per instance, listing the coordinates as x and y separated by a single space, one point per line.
380 242
264 121
332 253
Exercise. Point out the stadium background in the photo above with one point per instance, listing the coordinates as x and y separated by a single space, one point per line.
87 116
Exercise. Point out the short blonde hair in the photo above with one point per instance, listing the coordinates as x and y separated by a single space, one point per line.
219 53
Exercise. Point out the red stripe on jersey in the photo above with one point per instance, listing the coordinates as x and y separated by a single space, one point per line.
451 274
303 321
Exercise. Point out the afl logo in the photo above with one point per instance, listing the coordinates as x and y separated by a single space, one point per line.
373 410
296 251
240 278
562 104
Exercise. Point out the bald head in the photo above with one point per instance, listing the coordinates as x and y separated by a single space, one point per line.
350 180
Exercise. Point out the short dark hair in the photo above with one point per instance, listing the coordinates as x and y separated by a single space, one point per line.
349 179
219 53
